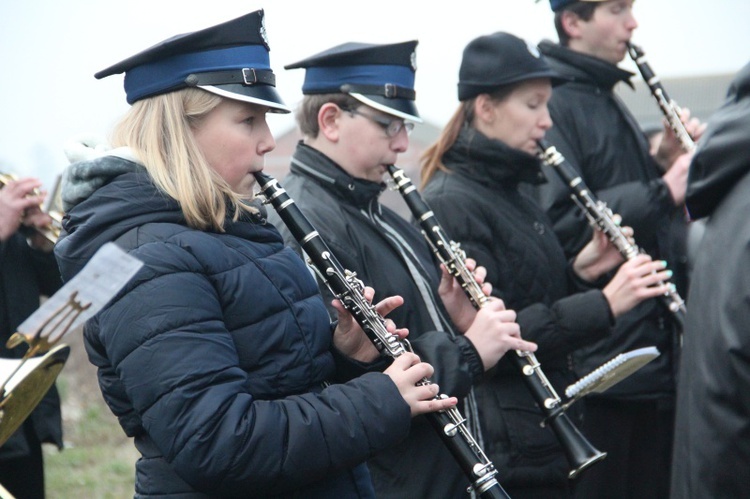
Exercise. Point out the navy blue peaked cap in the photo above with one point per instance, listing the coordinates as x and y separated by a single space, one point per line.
560 4
230 59
378 75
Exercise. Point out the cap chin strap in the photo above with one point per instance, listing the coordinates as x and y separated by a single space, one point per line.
244 76
389 91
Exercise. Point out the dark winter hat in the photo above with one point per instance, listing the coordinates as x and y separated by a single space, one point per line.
380 76
561 4
499 59
229 59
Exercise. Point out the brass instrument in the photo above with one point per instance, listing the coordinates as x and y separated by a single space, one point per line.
25 381
25 387
668 106
579 451
51 232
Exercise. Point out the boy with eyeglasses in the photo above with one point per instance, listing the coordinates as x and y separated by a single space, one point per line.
355 119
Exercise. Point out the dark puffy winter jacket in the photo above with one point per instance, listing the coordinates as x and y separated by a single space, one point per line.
216 355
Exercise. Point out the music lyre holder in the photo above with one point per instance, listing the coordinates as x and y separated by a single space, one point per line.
25 381
64 317
609 374
33 376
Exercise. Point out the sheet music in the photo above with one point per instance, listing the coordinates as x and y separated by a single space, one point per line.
612 372
96 284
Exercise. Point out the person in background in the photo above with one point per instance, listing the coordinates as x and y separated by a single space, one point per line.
711 448
219 357
27 272
357 111
471 178
600 138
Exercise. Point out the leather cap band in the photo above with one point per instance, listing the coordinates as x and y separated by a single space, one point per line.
244 76
388 90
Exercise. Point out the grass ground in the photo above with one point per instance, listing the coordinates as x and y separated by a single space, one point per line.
98 460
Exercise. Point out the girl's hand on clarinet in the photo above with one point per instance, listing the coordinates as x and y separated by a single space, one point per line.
495 331
600 256
638 279
351 340
457 304
406 371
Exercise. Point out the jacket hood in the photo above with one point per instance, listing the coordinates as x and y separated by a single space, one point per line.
85 174
721 159
582 68
105 197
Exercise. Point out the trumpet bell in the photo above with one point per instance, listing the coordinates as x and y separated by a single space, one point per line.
25 383
52 232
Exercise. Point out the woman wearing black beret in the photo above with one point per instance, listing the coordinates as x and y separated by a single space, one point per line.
471 178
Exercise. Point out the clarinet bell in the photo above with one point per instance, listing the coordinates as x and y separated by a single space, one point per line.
578 450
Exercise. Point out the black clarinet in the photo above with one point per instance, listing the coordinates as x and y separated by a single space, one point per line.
668 106
579 451
601 218
344 284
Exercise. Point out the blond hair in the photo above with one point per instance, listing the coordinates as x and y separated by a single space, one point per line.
159 131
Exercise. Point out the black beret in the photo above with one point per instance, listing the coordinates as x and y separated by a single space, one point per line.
499 59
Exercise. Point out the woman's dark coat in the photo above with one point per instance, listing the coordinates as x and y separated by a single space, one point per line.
478 204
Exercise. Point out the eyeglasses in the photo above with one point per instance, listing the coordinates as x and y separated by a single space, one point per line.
392 127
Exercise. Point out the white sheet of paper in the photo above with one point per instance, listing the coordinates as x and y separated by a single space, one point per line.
612 372
97 283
